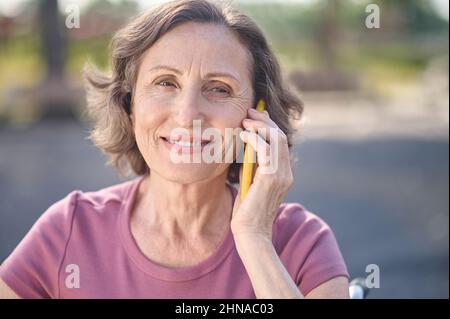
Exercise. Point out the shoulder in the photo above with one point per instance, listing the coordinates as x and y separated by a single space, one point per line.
79 202
293 219
31 269
106 196
307 246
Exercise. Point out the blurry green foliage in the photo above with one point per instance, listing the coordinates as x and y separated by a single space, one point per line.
411 34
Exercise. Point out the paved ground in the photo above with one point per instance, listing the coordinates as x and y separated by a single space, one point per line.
386 199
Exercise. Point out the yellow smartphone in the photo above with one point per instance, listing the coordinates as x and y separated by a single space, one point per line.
248 167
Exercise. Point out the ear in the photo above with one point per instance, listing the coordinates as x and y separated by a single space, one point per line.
132 119
131 110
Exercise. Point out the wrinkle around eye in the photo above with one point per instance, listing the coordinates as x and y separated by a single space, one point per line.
241 102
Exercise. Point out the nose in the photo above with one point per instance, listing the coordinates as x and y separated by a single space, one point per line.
187 109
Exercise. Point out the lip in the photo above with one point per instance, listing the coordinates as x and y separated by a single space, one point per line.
186 138
185 149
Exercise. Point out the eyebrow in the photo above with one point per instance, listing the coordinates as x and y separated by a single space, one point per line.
209 75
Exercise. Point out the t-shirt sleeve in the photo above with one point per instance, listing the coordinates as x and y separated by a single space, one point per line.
308 248
32 269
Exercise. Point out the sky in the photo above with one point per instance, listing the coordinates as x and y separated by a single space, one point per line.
11 7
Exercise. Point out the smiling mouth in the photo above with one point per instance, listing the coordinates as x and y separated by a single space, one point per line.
189 143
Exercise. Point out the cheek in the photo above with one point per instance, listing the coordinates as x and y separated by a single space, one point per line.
147 119
228 123
227 120
231 115
238 109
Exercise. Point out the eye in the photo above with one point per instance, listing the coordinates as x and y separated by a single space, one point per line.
165 83
221 90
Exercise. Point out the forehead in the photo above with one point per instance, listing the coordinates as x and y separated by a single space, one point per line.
209 47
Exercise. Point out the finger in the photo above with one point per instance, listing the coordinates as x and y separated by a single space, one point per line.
270 134
262 116
264 130
259 145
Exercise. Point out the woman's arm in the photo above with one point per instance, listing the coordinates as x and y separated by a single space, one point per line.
6 292
336 288
269 277
253 218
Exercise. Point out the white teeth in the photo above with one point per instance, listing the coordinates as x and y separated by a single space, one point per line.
186 143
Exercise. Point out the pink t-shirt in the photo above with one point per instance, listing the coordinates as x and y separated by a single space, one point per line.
82 247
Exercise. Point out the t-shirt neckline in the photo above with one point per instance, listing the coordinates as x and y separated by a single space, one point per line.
163 272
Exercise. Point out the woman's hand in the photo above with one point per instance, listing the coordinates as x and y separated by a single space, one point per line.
253 218
273 177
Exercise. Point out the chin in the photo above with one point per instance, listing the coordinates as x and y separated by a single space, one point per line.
190 173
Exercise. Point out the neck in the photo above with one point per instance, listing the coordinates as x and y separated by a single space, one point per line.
184 210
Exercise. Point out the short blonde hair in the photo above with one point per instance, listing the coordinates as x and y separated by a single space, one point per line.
109 96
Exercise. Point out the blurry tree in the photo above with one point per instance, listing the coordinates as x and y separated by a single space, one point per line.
6 28
55 98
409 17
328 33
328 77
53 37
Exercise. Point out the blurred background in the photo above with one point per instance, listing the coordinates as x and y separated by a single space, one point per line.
372 149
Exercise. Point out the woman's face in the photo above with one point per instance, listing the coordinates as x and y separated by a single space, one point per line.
196 72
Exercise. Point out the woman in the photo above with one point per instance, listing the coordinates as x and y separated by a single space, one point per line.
180 230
